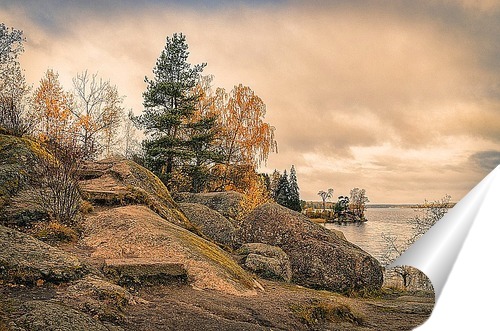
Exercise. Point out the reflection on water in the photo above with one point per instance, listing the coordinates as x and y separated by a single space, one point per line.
368 235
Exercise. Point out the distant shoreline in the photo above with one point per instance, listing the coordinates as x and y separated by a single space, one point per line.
402 205
329 205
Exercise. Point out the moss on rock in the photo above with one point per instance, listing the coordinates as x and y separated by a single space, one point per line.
319 258
118 181
24 259
16 155
211 223
132 232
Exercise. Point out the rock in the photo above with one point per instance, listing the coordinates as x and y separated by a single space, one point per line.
132 232
17 156
267 261
227 203
338 233
49 316
99 298
118 181
94 287
24 259
211 223
318 257
144 271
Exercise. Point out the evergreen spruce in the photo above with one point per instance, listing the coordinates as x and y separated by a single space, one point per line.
294 196
283 191
274 184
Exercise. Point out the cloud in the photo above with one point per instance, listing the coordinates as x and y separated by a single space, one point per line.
487 160
359 92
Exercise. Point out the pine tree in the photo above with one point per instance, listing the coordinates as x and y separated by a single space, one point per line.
283 192
203 152
294 197
169 103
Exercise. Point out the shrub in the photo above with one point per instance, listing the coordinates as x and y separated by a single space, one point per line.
53 186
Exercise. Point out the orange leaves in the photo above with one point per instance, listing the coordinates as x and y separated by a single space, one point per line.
256 194
53 109
245 137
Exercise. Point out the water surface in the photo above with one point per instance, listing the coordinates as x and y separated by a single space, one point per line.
368 235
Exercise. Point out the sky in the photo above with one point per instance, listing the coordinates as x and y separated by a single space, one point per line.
401 98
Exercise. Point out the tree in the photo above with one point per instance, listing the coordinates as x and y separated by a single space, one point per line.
98 114
325 196
169 104
358 202
14 92
202 134
54 184
131 146
255 195
294 198
53 112
10 43
342 205
274 183
245 139
430 213
283 193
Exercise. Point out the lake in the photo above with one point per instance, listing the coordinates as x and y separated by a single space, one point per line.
368 235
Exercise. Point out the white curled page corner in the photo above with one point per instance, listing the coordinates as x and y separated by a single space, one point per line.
465 240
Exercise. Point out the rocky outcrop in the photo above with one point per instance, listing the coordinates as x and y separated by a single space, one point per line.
267 261
227 203
48 316
118 181
319 258
92 286
135 232
18 155
99 298
211 223
24 259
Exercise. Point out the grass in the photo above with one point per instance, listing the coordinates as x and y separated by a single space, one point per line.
318 312
54 232
217 255
86 207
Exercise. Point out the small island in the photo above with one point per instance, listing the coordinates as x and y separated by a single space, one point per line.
346 210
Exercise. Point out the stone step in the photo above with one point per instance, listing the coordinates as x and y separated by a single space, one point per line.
143 271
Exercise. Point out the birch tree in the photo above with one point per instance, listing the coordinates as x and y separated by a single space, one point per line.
98 113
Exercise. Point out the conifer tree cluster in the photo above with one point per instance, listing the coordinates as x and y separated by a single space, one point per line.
285 189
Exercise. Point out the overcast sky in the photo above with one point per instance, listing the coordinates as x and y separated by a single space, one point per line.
401 98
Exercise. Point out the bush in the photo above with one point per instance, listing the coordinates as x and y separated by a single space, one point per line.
53 185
